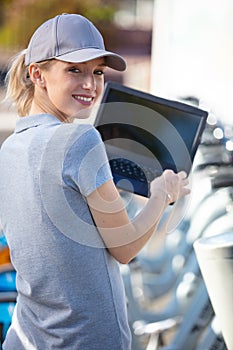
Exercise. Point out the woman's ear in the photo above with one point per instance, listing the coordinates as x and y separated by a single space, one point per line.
36 75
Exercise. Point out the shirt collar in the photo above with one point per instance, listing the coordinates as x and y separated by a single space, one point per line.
28 122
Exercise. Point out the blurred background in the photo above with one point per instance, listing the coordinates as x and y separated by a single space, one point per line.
174 48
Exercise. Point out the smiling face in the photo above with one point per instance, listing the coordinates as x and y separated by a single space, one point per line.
67 89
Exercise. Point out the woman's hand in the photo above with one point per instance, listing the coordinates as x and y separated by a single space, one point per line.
173 185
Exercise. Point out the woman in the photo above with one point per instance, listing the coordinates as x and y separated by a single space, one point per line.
65 223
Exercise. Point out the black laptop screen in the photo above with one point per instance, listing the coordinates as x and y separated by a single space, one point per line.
162 130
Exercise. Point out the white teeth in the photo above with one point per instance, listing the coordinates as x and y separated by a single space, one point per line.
82 98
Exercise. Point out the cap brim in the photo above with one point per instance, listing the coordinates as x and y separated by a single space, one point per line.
113 60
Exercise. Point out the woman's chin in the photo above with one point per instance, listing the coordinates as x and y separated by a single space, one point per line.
83 113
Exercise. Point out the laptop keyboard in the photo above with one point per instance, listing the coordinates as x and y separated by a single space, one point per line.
129 169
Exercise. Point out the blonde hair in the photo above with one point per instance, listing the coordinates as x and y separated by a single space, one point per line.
20 88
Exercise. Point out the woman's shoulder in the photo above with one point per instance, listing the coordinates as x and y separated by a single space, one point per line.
84 133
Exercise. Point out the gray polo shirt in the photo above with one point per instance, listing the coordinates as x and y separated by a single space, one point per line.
70 291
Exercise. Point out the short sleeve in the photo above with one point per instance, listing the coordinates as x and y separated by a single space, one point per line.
86 165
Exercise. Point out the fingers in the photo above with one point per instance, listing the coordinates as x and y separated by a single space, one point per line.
183 178
182 175
175 185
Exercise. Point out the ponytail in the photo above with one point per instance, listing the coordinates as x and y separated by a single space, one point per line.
20 88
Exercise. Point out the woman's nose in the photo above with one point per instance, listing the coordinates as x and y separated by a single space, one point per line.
89 82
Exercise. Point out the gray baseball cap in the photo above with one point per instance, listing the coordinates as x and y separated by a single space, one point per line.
70 38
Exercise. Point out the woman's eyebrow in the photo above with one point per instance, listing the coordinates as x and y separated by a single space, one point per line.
102 65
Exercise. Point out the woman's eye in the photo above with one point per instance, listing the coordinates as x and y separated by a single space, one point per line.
99 72
74 70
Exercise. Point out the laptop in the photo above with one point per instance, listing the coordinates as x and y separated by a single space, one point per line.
145 134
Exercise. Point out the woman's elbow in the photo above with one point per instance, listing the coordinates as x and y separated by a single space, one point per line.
121 257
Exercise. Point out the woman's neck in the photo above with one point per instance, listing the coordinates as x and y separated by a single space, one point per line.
40 107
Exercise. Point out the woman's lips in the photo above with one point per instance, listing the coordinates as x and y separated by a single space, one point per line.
84 99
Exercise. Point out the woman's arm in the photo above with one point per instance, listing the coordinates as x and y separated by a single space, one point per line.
122 237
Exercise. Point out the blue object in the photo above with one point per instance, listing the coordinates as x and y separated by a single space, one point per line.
3 242
6 312
8 281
